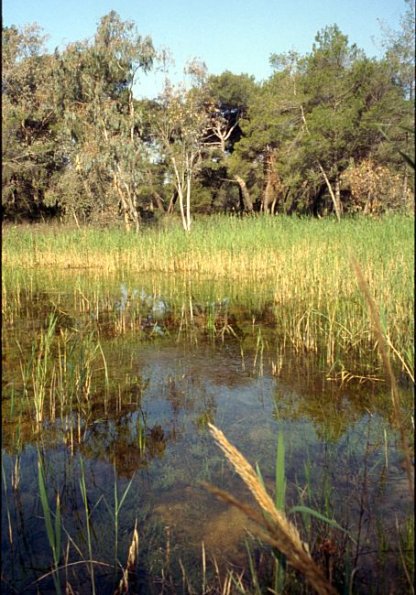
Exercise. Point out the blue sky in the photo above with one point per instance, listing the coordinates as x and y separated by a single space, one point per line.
236 35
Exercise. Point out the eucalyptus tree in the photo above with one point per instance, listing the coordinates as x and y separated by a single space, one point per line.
180 123
29 143
186 129
106 154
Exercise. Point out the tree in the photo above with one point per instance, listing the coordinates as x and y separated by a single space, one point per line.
269 130
180 123
400 51
102 127
327 110
29 139
76 142
228 97
400 57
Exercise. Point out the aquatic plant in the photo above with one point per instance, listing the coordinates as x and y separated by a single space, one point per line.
276 296
280 532
53 530
305 263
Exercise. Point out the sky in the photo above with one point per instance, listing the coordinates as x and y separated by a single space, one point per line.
235 35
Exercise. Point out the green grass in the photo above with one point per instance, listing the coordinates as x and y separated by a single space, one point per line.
214 243
305 264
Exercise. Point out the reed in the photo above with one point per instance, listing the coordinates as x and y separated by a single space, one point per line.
90 562
219 246
40 369
280 531
53 530
280 504
305 263
132 557
115 514
383 347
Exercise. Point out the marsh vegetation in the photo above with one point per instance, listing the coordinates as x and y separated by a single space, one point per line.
208 325
121 354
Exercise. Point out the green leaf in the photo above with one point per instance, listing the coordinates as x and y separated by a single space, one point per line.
317 515
57 528
280 473
45 507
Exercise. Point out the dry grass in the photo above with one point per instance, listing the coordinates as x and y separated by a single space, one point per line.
132 557
281 532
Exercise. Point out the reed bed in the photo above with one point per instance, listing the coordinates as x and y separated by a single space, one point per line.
307 264
218 246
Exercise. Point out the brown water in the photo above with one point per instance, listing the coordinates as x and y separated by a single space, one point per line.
141 442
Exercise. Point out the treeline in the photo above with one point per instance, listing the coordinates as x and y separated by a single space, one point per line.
330 132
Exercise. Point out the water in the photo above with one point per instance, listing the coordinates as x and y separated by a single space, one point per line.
137 432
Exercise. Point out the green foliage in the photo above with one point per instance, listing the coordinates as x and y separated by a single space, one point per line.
77 144
29 139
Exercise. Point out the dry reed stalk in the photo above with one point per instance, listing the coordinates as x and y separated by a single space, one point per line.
132 556
383 348
282 532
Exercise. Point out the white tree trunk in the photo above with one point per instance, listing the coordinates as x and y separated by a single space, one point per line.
335 199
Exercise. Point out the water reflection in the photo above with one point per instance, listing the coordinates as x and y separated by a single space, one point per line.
144 422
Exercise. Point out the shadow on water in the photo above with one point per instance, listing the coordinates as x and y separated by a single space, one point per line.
128 391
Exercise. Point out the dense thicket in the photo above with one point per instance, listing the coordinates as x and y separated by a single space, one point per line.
328 132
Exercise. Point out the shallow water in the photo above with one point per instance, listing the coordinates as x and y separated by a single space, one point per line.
137 432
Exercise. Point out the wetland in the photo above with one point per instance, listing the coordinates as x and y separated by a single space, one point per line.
115 365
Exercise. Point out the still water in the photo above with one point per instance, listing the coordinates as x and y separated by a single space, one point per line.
129 383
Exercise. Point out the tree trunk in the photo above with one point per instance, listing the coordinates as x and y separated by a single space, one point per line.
180 185
335 196
172 202
181 208
189 171
128 203
248 204
188 203
405 187
338 195
273 184
335 199
158 200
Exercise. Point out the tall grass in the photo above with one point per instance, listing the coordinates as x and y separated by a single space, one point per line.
218 246
279 531
306 264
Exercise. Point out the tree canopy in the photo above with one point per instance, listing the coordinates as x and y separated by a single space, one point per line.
329 132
